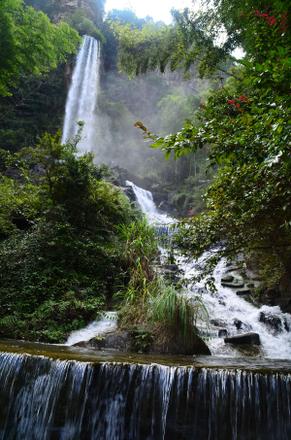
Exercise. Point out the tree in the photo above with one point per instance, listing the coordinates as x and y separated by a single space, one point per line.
245 125
62 255
30 43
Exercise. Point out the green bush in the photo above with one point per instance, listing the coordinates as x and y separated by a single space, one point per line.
61 270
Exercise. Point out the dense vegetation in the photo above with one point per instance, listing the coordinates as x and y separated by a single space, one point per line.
162 101
244 123
27 49
62 224
71 245
62 251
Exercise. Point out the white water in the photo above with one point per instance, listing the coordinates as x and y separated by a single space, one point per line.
107 324
148 207
83 96
225 305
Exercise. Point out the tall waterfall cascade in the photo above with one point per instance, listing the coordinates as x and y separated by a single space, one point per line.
82 101
44 399
224 305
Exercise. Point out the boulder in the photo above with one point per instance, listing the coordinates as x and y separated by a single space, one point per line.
128 191
243 292
236 283
271 321
238 323
116 340
244 339
217 322
222 333
227 279
128 341
176 345
172 267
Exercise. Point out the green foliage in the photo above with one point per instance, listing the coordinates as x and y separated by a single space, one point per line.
85 26
30 43
139 250
141 340
174 312
58 271
246 126
178 46
164 313
36 106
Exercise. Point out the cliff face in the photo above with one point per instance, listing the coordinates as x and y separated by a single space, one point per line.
60 9
93 8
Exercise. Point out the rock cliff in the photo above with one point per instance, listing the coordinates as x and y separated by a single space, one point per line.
60 9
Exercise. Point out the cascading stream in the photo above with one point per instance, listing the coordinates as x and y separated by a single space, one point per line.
45 399
224 305
105 324
82 101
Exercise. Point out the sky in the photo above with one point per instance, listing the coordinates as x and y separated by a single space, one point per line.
159 10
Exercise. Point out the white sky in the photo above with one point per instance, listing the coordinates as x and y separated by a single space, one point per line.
158 9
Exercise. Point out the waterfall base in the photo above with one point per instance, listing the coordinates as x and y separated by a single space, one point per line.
51 399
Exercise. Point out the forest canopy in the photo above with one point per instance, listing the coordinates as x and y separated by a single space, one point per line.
30 43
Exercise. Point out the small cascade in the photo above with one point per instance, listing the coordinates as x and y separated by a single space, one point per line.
147 205
235 315
106 324
228 311
83 95
46 399
163 224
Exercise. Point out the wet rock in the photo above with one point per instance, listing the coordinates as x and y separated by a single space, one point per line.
82 344
222 333
172 267
238 323
127 341
217 322
171 276
128 191
117 340
227 279
286 325
272 321
231 267
237 283
243 292
244 339
177 345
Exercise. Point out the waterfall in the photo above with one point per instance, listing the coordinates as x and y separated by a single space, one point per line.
224 306
82 99
48 399
148 207
105 324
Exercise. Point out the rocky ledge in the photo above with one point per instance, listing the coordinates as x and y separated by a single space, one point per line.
143 342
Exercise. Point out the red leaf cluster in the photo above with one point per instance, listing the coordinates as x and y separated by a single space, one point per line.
236 102
271 20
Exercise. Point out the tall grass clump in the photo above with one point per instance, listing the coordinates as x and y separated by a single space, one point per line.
172 311
139 251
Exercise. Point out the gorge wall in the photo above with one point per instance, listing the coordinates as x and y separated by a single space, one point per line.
60 9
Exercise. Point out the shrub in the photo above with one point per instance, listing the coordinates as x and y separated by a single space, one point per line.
57 274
